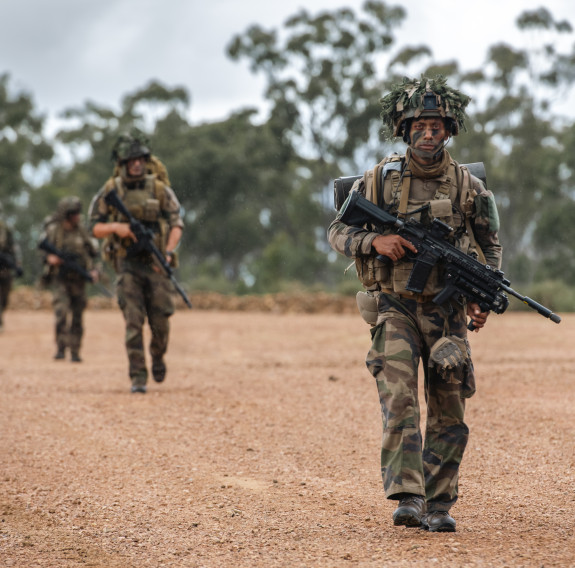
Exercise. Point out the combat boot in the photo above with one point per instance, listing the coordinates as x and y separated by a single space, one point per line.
75 357
409 511
158 370
438 521
138 389
60 354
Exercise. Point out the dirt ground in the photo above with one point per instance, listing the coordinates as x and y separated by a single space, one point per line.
261 449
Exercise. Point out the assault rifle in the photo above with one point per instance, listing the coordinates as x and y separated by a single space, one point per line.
145 241
464 275
70 263
7 261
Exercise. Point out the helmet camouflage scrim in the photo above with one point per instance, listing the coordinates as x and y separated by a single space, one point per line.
130 145
423 98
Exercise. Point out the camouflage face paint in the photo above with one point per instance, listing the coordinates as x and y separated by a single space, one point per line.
427 137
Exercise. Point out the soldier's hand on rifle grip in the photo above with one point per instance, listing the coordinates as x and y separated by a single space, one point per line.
392 247
478 318
124 231
54 260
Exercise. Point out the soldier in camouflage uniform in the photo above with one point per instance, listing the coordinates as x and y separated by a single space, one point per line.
409 328
144 291
9 263
66 233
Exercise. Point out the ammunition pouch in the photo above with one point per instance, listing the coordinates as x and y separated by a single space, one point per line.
371 271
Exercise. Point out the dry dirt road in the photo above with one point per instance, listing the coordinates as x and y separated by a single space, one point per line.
261 449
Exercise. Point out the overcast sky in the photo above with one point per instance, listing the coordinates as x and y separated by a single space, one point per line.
65 52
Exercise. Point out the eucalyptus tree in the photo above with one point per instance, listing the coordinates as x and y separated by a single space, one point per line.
323 77
24 151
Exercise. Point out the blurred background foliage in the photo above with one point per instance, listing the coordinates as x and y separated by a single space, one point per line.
257 193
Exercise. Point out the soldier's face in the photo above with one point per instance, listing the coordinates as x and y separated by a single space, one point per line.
73 219
427 138
136 166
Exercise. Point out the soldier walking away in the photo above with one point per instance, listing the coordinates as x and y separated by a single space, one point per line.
408 328
73 254
10 264
144 290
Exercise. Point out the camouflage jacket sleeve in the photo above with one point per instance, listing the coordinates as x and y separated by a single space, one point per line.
98 210
172 209
485 224
350 241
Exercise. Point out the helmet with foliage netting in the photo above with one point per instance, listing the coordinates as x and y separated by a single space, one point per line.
131 145
412 99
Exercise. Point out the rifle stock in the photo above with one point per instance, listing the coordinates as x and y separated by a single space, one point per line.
464 275
145 241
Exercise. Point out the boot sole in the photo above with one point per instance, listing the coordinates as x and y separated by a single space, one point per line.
442 528
406 520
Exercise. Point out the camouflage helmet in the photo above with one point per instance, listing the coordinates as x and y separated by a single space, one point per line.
133 144
68 206
423 98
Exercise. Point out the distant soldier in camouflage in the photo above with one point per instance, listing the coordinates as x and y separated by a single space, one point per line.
65 232
407 328
9 265
144 291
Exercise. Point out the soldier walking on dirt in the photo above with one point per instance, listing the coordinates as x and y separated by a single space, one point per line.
9 264
144 291
64 231
407 328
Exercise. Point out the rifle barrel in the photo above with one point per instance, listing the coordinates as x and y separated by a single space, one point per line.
533 304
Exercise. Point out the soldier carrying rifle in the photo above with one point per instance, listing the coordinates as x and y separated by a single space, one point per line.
144 288
10 264
426 183
69 252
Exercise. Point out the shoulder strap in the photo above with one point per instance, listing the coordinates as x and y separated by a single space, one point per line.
467 195
159 192
119 186
404 188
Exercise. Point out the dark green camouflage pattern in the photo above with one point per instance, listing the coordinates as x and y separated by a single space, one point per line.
69 302
402 338
7 247
415 462
68 287
144 293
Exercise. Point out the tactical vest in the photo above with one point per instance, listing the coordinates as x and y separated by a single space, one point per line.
147 204
451 203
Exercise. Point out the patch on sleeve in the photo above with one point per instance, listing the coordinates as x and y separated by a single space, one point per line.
486 209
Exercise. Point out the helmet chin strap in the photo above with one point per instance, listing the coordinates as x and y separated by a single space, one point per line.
440 151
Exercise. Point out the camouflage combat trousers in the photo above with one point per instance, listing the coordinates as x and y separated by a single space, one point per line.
144 293
404 335
5 287
69 302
